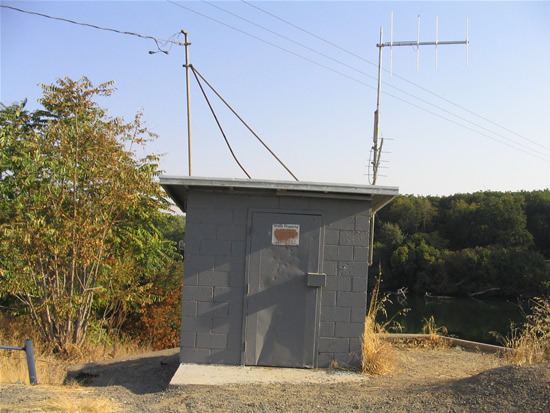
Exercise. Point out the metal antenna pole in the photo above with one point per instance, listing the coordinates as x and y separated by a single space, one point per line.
187 44
375 148
391 43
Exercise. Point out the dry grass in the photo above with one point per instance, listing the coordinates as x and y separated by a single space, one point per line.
531 342
435 333
379 357
50 368
63 399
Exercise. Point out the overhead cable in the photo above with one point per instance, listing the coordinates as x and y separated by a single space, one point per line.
361 72
290 40
159 42
243 122
268 43
394 74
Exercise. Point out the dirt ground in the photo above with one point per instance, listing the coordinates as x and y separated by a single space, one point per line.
440 380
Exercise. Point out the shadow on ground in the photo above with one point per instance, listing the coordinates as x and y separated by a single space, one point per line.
143 374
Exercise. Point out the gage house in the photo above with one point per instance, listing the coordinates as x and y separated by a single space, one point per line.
275 272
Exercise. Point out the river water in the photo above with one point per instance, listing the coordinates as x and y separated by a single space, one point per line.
465 318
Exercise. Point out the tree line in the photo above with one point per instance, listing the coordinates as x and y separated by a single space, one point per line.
466 244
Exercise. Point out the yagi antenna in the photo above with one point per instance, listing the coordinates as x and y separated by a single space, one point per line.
376 148
391 43
418 43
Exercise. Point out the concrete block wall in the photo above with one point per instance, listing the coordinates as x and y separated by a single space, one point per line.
215 268
344 299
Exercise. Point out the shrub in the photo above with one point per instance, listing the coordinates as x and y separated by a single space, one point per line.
531 342
378 355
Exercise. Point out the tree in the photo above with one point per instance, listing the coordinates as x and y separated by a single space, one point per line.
412 214
537 209
172 227
77 211
158 322
486 218
459 221
501 220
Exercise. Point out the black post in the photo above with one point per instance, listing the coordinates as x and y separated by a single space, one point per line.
30 361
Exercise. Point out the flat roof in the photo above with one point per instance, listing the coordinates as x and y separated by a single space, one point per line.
177 187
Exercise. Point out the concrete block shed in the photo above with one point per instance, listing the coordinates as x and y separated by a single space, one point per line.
275 272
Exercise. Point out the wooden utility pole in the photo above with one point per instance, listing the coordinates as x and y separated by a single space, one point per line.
187 67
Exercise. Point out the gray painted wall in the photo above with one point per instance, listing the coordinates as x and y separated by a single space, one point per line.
215 265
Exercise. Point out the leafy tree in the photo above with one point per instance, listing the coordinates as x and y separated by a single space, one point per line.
172 227
390 234
501 220
486 218
77 207
415 263
157 323
537 209
458 221
513 270
412 214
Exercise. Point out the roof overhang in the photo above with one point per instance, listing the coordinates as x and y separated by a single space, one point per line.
178 187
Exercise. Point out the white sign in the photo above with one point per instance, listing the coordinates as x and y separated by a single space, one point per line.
285 234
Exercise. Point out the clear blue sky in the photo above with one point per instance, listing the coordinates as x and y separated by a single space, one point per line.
318 121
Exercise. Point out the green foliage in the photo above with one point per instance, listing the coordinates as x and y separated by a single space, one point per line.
172 227
466 243
537 209
77 208
157 323
412 214
486 218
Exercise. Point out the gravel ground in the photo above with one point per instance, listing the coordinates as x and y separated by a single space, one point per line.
441 380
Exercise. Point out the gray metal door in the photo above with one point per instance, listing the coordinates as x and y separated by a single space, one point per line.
282 310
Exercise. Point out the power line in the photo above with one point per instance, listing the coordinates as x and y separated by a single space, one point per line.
269 43
353 68
310 33
469 111
290 40
159 42
536 153
394 74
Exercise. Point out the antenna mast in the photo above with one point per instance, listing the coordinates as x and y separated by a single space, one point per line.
376 148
